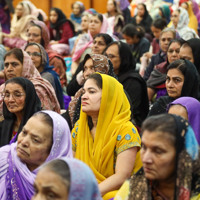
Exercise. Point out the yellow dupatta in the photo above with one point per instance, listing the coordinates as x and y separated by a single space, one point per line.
114 116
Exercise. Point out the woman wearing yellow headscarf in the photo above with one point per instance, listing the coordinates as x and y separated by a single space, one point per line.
104 137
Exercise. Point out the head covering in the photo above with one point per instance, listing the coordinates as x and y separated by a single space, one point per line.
16 179
193 110
123 4
43 88
77 18
166 12
32 105
83 183
113 121
196 10
194 43
187 167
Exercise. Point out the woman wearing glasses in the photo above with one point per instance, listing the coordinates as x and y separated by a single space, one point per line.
20 102
40 59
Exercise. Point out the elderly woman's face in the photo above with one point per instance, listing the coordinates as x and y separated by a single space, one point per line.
56 186
34 142
158 156
94 25
34 34
35 54
88 68
173 52
98 45
12 67
165 39
91 99
85 23
76 9
14 98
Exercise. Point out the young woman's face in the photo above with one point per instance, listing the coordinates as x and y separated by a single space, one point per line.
174 83
110 6
14 98
94 25
175 17
91 99
53 17
98 45
141 10
156 32
49 185
186 53
173 52
34 34
34 142
84 23
165 39
76 9
19 10
158 156
35 54
12 67
88 68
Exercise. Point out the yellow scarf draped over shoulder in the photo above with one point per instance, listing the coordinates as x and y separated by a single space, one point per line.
113 119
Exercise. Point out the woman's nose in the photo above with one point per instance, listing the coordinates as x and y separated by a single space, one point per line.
147 157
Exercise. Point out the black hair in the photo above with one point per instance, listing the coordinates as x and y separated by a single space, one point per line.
107 38
178 64
131 30
159 23
17 53
99 16
175 41
61 168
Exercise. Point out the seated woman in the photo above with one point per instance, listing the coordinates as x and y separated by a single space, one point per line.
189 109
44 137
182 80
20 102
110 144
134 36
76 15
17 36
164 12
100 42
65 177
61 29
41 61
17 63
39 33
142 18
121 57
156 81
171 162
115 18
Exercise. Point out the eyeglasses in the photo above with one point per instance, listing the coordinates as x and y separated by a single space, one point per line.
34 54
110 56
15 95
34 35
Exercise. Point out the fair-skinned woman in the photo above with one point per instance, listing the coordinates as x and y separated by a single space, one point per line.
41 61
182 80
35 145
20 102
18 63
65 177
171 162
110 138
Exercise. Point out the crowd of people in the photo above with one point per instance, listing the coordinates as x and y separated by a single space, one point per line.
100 105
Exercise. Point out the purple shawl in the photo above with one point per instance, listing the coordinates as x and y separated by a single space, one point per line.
193 109
83 184
123 4
196 10
16 180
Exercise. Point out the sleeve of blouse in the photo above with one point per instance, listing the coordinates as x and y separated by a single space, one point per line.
74 136
129 138
66 33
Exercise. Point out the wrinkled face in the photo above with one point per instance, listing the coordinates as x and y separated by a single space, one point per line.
156 32
12 67
88 68
19 10
186 53
53 16
173 52
158 156
110 6
76 9
113 54
49 185
174 83
130 40
34 142
165 38
141 10
178 110
98 45
175 17
91 99
34 53
94 25
34 34
84 23
14 98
